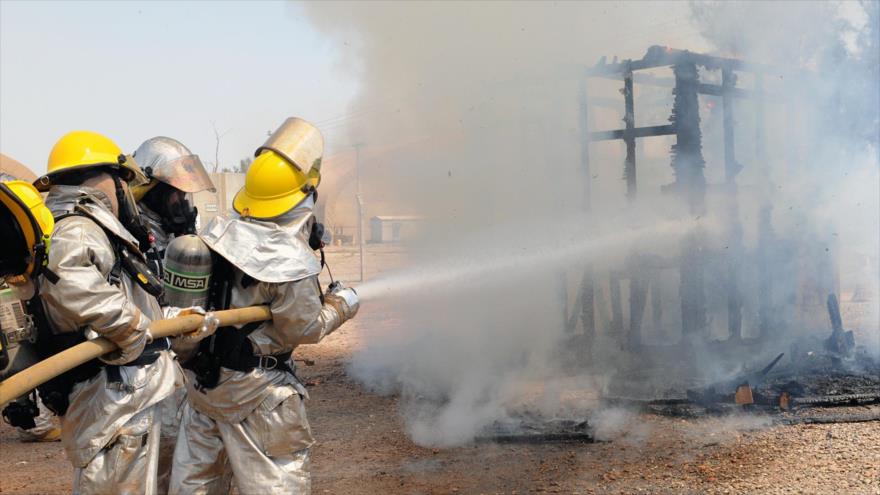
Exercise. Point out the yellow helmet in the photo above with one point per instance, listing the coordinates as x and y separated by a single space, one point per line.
286 171
28 223
80 150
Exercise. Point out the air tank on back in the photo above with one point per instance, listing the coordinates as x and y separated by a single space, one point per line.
17 335
187 272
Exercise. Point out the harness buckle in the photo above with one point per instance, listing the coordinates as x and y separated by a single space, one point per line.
268 362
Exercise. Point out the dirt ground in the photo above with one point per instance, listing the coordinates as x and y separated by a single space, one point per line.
363 449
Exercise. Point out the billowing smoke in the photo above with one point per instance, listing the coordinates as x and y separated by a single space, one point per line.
469 115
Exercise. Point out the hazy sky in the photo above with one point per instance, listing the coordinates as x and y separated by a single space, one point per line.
133 70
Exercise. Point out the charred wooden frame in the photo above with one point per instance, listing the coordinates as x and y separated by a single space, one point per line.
690 182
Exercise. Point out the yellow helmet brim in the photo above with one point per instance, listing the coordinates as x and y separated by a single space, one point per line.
129 169
261 208
141 190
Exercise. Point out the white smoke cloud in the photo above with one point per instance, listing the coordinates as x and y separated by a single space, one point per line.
472 112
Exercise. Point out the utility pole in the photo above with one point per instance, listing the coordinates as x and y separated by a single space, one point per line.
360 206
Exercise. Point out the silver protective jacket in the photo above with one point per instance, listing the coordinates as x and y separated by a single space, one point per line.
292 294
82 256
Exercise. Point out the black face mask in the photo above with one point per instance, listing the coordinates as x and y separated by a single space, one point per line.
130 218
316 236
177 214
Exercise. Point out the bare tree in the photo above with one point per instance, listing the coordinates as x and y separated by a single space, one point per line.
217 137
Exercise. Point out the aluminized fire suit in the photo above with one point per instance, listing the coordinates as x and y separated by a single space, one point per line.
168 162
169 410
110 431
257 419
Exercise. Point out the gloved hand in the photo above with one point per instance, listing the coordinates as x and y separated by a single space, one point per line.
343 299
208 327
131 342
174 311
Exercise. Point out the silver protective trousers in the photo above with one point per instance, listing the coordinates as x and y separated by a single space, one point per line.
128 465
259 449
170 409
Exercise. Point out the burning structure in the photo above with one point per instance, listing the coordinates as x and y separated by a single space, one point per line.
768 305
690 184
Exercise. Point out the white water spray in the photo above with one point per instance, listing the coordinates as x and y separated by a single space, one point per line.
496 264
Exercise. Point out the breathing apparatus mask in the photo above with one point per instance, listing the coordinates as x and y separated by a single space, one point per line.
174 207
317 239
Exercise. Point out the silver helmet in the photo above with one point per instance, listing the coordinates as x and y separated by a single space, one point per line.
167 160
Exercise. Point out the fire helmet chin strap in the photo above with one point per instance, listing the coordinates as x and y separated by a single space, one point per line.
129 217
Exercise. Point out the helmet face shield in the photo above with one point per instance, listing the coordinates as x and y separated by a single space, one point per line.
185 173
299 142
168 161
130 170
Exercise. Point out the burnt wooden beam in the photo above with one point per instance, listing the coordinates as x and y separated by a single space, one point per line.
637 132
731 167
731 170
588 308
703 88
616 307
584 126
659 56
587 304
629 120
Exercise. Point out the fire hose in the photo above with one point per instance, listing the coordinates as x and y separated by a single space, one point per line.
38 374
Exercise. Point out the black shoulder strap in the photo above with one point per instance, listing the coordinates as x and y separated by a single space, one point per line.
222 281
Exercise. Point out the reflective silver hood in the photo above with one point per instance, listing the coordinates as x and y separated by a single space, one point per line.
274 251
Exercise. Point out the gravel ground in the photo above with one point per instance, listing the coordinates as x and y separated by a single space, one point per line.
362 449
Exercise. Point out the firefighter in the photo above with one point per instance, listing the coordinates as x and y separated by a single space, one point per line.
38 422
95 283
165 203
244 402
